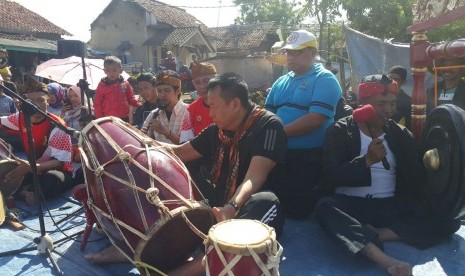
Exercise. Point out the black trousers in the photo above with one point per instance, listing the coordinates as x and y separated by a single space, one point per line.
297 188
345 219
264 207
52 183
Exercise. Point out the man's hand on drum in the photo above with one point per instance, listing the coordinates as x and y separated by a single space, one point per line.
22 169
376 152
224 213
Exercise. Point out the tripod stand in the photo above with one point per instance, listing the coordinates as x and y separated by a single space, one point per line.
44 241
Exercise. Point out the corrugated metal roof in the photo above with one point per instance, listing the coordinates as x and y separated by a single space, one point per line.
15 18
27 43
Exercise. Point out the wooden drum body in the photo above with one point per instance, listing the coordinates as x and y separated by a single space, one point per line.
242 247
141 194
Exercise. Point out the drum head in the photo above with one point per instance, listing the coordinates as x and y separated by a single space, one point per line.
445 186
8 189
235 235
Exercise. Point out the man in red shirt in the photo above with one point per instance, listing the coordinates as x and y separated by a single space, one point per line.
52 146
198 118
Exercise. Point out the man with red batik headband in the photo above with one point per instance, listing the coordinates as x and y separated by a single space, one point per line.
373 166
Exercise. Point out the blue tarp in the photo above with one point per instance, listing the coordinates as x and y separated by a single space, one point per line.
307 251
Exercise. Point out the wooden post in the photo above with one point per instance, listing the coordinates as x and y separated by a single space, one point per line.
418 62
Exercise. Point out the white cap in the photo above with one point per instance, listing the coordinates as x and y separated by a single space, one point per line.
300 39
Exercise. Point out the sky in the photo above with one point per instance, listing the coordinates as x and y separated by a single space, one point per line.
76 16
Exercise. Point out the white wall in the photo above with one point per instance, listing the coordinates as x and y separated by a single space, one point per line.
256 71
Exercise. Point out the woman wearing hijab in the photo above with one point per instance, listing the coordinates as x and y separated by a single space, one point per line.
71 114
71 111
56 95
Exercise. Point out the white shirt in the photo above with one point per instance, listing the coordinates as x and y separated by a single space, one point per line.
383 182
173 124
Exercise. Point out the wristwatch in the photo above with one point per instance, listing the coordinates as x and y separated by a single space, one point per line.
234 205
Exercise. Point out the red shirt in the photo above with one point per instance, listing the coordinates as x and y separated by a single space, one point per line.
49 142
200 115
114 99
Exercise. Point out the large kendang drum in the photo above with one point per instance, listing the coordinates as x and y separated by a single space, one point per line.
242 247
444 159
141 194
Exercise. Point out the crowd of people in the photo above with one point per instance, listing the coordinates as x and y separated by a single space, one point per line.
297 156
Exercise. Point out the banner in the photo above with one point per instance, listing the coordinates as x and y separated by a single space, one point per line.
370 55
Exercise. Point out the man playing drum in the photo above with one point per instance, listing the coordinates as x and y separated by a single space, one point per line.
51 145
373 165
245 145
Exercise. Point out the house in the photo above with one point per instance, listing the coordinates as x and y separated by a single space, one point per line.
242 49
27 36
250 39
144 30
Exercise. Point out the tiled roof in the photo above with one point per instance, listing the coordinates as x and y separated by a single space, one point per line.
26 41
15 18
242 36
170 15
176 36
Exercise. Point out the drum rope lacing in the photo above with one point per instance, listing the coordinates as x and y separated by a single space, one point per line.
126 157
192 227
147 267
274 253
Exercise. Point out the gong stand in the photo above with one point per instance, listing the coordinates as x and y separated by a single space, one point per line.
44 242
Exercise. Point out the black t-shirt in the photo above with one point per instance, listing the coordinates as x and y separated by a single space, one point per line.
141 113
266 138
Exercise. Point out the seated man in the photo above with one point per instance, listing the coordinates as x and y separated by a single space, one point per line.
51 146
164 123
374 202
451 89
245 145
403 114
197 117
146 85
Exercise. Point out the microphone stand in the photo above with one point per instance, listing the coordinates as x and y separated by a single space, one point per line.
86 113
44 242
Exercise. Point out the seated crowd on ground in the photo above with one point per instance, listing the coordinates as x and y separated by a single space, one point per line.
301 154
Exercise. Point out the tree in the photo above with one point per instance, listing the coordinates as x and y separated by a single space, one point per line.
283 13
380 18
326 12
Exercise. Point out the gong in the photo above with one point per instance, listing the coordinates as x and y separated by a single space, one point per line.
443 141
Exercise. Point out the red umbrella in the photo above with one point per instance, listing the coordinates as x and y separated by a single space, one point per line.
69 70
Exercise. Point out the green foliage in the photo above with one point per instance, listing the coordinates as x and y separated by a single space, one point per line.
257 97
448 32
282 12
380 18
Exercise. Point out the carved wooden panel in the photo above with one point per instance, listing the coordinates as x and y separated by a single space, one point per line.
428 9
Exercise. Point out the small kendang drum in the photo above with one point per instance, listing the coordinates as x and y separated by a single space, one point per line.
242 247
141 195
443 142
